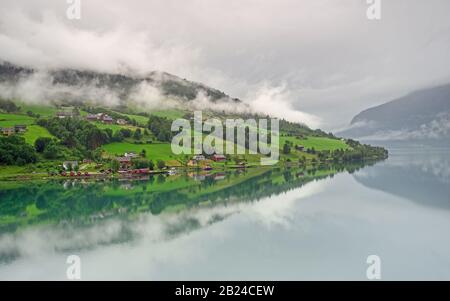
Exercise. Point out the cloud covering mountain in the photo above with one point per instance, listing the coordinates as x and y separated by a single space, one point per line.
321 57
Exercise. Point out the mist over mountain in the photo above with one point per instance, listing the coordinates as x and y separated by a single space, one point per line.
155 89
421 116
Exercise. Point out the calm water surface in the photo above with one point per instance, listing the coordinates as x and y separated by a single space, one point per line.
271 225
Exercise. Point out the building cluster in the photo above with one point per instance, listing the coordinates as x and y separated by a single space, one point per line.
67 112
17 129
105 118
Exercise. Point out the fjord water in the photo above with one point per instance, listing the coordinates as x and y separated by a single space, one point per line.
258 225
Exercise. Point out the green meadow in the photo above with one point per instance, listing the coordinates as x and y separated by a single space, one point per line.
10 120
35 131
319 143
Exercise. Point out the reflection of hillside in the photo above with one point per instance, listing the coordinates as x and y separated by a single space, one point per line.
83 210
423 178
87 202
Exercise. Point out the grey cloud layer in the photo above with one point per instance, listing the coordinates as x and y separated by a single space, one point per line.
329 60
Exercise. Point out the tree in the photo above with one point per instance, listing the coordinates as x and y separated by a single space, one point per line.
126 132
15 151
160 164
115 165
286 148
41 143
118 136
143 153
51 151
137 134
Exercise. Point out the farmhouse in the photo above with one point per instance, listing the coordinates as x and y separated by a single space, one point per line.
124 162
8 131
107 119
198 158
131 155
121 122
91 117
219 158
65 114
20 128
300 147
69 164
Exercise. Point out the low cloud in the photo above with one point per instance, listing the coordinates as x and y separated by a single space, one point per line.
434 130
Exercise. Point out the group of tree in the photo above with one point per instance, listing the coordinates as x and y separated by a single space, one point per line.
160 127
77 134
15 151
8 106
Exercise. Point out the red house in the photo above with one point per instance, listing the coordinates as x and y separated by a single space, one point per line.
219 158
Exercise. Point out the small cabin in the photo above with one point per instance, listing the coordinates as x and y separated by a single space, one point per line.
124 162
198 158
69 164
20 128
107 120
121 122
218 158
8 131
91 117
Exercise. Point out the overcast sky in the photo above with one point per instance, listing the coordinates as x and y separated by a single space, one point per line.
321 61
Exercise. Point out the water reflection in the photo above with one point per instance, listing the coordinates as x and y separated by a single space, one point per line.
265 224
421 176
80 214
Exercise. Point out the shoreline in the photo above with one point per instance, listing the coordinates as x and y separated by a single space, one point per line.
40 176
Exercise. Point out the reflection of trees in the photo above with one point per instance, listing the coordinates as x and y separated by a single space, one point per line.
83 203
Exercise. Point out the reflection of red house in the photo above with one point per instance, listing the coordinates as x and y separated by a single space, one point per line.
219 158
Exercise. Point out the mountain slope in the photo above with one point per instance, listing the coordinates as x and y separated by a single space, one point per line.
122 85
421 115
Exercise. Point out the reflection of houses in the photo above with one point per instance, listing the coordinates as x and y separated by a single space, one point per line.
197 177
20 128
8 131
219 158
219 176
69 164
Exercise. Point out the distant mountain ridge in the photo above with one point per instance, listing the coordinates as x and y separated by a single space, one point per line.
421 115
122 84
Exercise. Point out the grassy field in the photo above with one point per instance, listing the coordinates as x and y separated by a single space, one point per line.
156 151
114 127
43 110
35 131
10 120
319 143
170 114
141 120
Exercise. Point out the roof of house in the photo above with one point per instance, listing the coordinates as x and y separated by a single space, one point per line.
123 159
